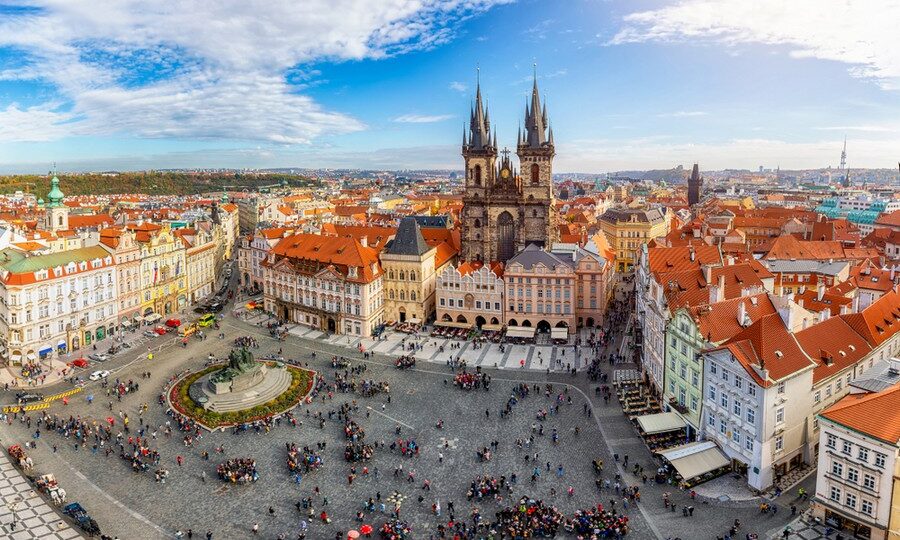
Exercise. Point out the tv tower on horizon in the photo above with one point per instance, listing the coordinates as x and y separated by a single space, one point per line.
844 154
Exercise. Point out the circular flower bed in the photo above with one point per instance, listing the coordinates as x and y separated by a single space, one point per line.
301 385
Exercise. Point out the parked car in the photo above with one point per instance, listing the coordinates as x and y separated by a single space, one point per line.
160 330
80 362
217 307
99 357
173 323
99 374
201 309
150 333
25 397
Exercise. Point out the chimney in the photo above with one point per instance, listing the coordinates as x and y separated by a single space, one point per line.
893 271
693 255
707 273
364 241
742 313
720 293
820 293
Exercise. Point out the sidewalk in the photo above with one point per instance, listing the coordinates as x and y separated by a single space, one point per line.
34 518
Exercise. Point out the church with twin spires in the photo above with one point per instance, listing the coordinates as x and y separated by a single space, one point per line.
506 209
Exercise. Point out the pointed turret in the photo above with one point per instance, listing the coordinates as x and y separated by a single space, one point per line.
479 123
550 137
535 119
695 183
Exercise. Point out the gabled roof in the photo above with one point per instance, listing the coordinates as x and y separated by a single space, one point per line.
408 240
878 322
767 344
875 414
309 253
787 247
533 255
834 346
719 322
663 259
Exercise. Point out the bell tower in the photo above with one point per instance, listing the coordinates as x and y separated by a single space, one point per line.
536 150
480 154
57 213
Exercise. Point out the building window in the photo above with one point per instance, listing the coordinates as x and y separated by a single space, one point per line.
723 427
831 441
866 507
748 444
712 368
847 447
836 494
724 401
852 475
817 397
751 415
738 382
879 460
850 501
736 436
751 389
869 482
837 469
712 393
779 443
737 408
779 415
781 388
863 454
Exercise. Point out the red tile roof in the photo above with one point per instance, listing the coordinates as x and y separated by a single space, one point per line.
834 346
873 414
718 322
768 344
309 253
878 322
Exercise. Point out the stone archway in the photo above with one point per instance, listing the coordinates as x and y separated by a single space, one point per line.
526 323
462 319
543 326
402 314
447 318
590 321
494 320
480 321
562 324
332 326
512 322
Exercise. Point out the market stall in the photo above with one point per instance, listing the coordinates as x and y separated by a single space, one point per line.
661 430
696 462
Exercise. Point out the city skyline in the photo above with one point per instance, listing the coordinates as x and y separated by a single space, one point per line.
389 88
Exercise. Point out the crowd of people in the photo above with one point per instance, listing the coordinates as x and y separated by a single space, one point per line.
406 361
485 486
246 341
353 431
358 451
238 471
395 529
302 461
472 380
530 518
598 523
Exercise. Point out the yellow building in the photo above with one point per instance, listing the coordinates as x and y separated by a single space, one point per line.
164 280
627 229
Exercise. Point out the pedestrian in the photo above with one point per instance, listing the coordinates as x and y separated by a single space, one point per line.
255 528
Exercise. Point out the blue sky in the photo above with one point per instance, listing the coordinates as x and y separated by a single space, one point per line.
352 83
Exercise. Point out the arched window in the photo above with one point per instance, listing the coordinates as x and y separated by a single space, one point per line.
476 175
534 213
412 295
402 275
535 174
477 223
412 276
392 294
402 295
391 274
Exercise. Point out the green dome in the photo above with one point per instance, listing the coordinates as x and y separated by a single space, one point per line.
56 195
41 202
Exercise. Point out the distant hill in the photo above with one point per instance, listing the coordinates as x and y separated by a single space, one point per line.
151 182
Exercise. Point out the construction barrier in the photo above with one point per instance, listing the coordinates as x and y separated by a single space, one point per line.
26 408
62 395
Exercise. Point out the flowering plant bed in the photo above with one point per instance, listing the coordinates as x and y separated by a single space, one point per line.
180 400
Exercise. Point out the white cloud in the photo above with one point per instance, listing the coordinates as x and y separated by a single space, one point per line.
862 34
659 153
211 70
422 118
866 128
682 114
458 86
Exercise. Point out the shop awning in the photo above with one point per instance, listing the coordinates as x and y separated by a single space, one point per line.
414 321
451 324
138 318
492 327
695 459
31 356
660 423
15 357
61 345
126 322
153 317
520 332
46 350
559 333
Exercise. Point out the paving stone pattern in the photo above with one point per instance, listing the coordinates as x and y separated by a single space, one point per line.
34 518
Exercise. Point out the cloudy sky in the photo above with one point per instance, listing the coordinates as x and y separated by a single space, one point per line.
631 84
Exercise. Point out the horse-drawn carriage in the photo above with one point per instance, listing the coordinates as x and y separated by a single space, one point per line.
48 484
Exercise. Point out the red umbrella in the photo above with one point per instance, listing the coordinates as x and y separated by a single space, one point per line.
366 529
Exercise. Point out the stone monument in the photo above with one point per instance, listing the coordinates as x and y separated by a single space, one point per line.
241 373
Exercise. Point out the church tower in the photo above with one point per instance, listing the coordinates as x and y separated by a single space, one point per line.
695 183
536 150
480 155
57 213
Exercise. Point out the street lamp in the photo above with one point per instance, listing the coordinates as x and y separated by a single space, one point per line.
12 506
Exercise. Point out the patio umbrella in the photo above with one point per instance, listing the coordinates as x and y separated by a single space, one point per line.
366 529
352 535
